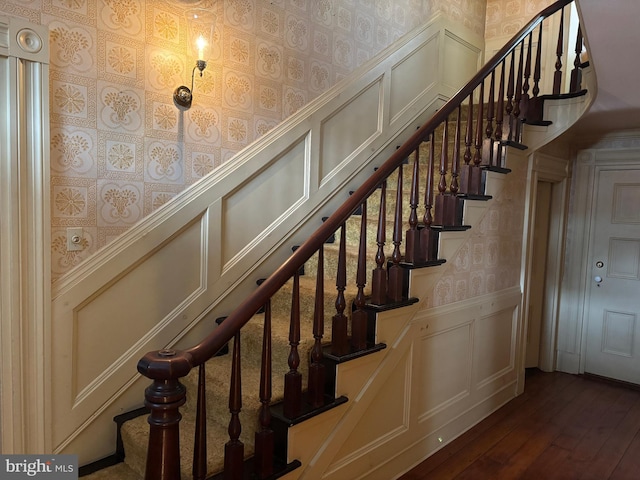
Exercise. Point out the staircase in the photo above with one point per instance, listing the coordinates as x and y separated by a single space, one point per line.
271 377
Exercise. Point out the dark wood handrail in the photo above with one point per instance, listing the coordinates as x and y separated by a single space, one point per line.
165 365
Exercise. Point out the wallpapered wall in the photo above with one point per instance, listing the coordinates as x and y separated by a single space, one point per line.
119 146
507 17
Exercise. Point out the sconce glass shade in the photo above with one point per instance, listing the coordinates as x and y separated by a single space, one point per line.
200 27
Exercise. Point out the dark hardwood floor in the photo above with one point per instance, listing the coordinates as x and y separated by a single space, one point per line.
562 427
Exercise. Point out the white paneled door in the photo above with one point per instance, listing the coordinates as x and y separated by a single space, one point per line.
613 330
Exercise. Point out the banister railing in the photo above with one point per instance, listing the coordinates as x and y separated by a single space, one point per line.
464 152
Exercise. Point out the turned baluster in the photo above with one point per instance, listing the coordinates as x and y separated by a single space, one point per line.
292 406
538 67
516 118
199 469
576 73
264 437
339 338
487 146
498 159
455 165
359 317
557 76
428 237
412 253
524 99
468 138
510 91
395 271
442 206
477 156
467 170
234 448
379 278
317 369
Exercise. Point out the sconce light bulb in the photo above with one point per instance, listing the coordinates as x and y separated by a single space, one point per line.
201 43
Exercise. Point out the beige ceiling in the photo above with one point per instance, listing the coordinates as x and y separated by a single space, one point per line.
612 30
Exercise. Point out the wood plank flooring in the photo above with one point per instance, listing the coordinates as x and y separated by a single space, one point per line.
562 427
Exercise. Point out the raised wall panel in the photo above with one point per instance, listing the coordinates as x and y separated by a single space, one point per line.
416 73
461 60
390 408
98 322
350 129
494 352
444 372
617 333
281 185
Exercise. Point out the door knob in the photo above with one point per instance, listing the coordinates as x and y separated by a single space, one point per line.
598 279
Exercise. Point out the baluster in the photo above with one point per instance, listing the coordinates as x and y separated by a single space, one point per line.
359 317
538 68
455 165
443 214
395 271
293 378
379 278
516 119
428 237
535 107
576 73
487 146
339 338
444 161
199 469
477 156
164 398
264 437
557 76
524 99
316 369
234 448
412 253
467 170
498 150
510 91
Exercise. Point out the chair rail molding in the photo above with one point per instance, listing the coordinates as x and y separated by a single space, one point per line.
25 278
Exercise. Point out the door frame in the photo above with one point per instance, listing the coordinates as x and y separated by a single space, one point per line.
554 168
572 332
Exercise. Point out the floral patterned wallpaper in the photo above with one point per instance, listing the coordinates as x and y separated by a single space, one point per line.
507 17
120 148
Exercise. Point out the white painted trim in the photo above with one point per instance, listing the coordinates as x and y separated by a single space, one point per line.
24 238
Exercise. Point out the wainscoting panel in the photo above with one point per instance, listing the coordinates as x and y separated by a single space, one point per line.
244 223
446 370
351 129
112 309
416 74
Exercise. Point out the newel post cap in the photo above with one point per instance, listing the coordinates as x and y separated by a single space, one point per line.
165 364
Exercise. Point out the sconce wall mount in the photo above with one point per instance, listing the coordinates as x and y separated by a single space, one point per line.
183 95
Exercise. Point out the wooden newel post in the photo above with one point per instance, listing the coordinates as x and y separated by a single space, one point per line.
164 397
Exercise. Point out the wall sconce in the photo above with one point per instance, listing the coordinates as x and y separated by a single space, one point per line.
200 24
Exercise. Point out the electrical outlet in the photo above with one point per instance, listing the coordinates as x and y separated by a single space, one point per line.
74 239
